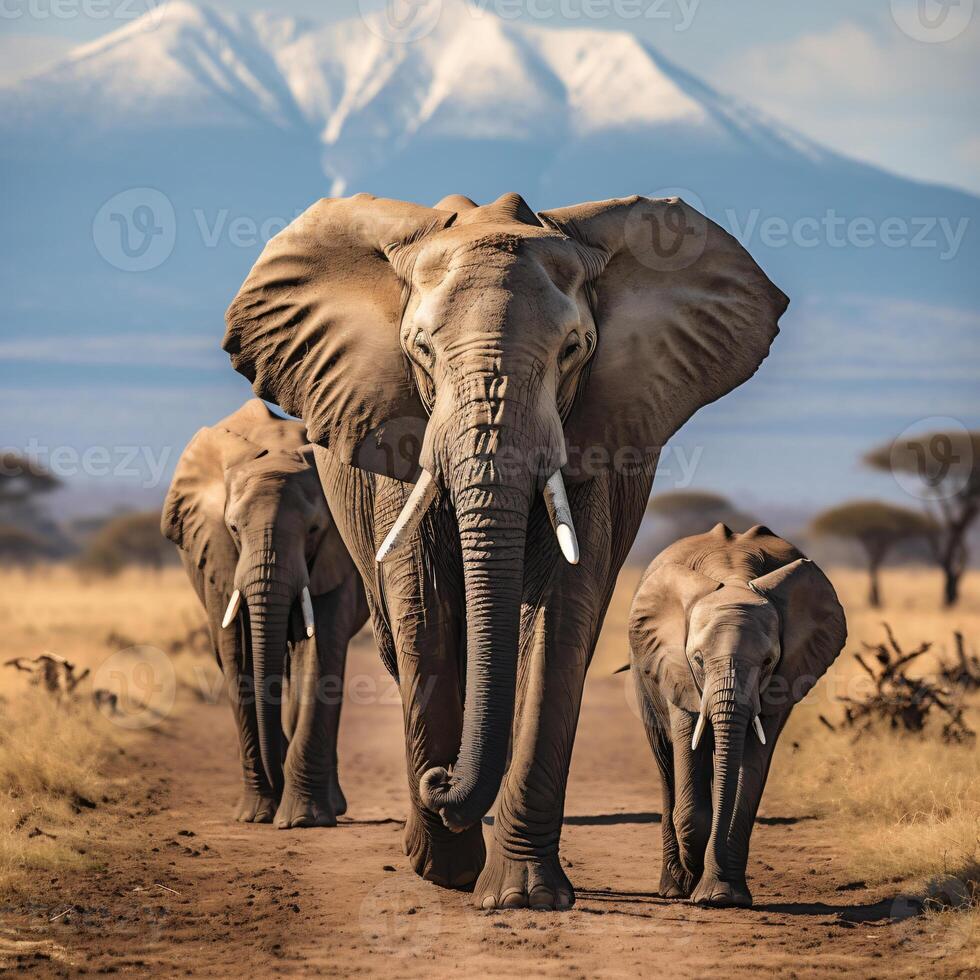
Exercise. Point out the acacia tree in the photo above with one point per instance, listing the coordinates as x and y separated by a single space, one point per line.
877 527
21 479
128 539
696 511
944 470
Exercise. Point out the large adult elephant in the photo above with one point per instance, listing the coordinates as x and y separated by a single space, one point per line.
520 347
727 633
283 599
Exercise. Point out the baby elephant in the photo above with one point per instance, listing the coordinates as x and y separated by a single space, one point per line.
727 632
282 598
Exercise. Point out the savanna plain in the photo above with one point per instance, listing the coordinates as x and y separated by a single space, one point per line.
118 853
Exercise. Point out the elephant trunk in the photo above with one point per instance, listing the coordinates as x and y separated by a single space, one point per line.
730 719
492 502
269 603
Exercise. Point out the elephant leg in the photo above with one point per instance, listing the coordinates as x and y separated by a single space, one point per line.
257 803
675 882
564 609
751 783
312 796
418 629
692 796
427 638
523 867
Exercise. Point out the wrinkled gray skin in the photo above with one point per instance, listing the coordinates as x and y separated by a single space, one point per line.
246 511
745 622
487 346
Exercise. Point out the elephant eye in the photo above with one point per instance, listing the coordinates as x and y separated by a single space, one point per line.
422 345
572 347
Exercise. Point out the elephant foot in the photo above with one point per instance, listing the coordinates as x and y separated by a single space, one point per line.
675 882
715 893
255 807
442 857
302 810
337 799
522 883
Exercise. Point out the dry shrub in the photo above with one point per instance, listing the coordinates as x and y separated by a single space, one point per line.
53 756
54 760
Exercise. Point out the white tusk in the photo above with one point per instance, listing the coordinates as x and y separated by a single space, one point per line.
232 611
757 724
419 501
699 727
556 501
307 603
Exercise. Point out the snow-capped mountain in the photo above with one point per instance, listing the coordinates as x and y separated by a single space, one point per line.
144 172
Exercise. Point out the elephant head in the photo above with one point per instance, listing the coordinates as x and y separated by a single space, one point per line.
245 504
732 649
508 340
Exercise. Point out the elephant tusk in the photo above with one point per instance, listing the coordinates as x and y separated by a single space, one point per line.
556 501
232 611
757 725
419 501
699 727
307 605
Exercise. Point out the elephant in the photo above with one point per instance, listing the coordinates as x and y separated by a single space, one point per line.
283 599
488 390
727 632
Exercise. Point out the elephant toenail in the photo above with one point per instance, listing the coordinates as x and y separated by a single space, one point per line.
513 899
542 900
489 902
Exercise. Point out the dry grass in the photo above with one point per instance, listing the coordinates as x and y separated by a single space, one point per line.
909 806
53 766
57 758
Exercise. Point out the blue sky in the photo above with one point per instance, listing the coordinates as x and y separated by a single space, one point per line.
842 71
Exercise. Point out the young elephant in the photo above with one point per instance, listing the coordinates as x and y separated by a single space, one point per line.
283 599
727 632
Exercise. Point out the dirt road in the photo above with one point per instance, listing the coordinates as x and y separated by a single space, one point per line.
194 894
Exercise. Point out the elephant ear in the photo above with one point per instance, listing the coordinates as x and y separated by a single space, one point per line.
683 316
812 629
256 422
315 328
193 514
658 628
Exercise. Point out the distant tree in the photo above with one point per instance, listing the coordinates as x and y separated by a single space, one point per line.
877 527
946 468
696 511
685 501
22 479
129 539
19 546
28 532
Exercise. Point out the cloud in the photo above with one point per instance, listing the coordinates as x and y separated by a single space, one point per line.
848 61
167 350
871 92
845 58
26 54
